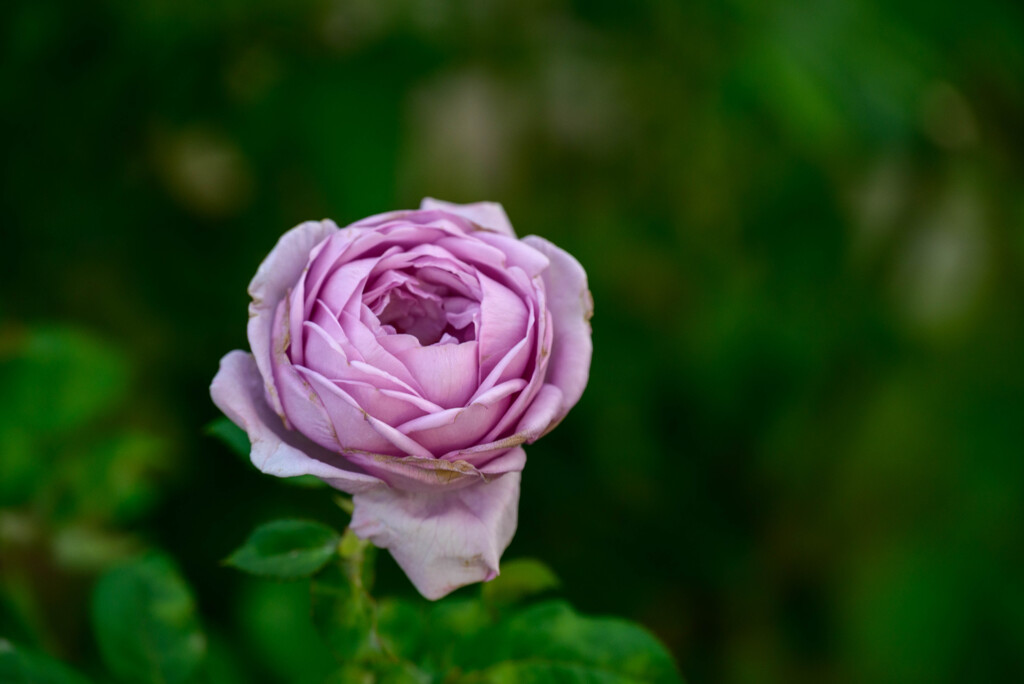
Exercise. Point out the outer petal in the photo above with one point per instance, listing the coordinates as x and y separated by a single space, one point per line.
237 390
485 214
442 540
571 307
276 275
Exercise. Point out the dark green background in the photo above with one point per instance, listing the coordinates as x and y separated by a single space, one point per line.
799 458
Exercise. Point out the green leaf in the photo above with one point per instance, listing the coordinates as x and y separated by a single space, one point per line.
551 642
230 434
145 623
278 634
221 665
119 478
54 379
85 547
527 672
518 580
18 666
305 481
286 549
343 613
450 624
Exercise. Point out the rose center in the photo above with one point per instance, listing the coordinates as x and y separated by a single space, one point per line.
433 313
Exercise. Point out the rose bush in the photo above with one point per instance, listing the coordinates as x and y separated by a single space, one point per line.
405 360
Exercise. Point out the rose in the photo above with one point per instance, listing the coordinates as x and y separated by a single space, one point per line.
406 359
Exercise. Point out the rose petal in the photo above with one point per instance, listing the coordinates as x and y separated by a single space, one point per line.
276 275
414 474
542 415
394 408
351 423
503 323
341 290
447 373
237 390
509 461
539 418
519 254
540 363
513 364
362 344
489 215
442 540
571 308
460 427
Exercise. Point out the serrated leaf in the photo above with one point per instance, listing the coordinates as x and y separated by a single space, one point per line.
551 642
19 666
518 580
145 622
286 549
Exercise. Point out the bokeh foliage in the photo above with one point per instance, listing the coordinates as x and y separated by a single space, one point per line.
800 455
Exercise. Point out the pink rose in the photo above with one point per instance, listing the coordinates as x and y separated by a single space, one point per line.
405 360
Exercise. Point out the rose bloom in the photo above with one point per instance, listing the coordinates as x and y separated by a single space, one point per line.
405 360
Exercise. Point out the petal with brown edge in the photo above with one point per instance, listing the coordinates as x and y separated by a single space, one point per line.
443 540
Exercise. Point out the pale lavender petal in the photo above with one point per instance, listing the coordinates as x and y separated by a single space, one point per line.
489 215
413 474
385 217
519 254
442 540
276 275
394 408
304 408
349 423
343 287
415 399
237 390
497 392
513 363
459 427
541 416
571 308
540 360
476 252
332 362
447 373
503 323
328 256
325 355
363 345
508 461
405 443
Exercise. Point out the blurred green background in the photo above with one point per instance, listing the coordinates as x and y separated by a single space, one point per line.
799 458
